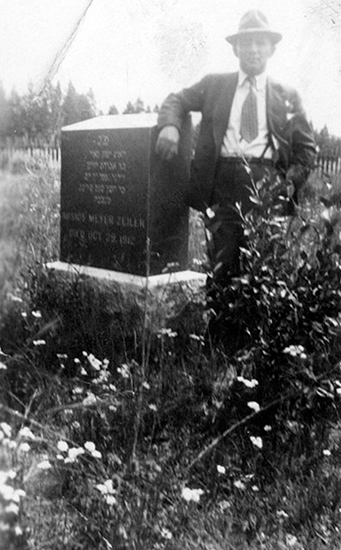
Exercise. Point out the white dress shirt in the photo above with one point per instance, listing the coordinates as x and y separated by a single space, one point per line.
233 144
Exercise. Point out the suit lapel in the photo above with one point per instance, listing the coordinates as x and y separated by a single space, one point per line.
222 109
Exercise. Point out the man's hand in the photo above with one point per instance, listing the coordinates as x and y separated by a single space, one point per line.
168 142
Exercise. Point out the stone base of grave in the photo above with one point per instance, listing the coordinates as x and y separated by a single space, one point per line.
151 282
155 302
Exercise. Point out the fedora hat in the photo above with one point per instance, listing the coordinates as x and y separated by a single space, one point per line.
254 22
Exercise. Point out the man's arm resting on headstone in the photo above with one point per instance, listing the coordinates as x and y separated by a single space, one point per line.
172 114
167 143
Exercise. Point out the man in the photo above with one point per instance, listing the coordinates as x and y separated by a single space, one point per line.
251 125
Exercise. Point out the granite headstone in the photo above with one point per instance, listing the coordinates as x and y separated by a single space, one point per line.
122 208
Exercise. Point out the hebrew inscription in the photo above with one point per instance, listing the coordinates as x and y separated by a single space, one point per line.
112 202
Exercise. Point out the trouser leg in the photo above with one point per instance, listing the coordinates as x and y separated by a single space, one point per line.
233 186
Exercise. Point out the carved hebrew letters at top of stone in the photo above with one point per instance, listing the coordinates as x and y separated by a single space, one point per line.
105 172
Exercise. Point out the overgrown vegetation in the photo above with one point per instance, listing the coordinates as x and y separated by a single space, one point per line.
123 427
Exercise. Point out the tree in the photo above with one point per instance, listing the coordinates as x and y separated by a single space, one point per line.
113 110
16 108
77 107
4 113
129 108
43 113
137 107
328 144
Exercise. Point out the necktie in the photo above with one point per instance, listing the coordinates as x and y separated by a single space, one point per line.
249 115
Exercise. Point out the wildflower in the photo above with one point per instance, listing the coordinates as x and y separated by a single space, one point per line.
295 351
326 452
254 405
23 314
255 489
18 494
191 494
221 469
281 514
210 213
2 366
152 407
145 385
90 446
10 474
39 342
12 508
197 261
124 370
14 298
257 441
7 492
96 454
110 500
166 332
248 383
26 433
291 540
73 454
267 428
239 484
94 362
62 446
106 489
44 465
24 447
90 399
166 534
224 504
37 314
6 428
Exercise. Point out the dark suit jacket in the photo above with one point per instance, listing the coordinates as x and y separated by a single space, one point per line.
213 97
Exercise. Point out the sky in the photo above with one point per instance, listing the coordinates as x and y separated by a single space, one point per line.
124 49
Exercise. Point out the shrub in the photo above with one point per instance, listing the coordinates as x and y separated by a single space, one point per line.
283 315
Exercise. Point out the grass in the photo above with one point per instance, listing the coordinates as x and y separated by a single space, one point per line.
126 431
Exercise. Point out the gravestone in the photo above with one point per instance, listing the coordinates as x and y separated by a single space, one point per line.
122 208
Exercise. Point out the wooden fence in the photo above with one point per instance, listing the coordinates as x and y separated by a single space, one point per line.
325 164
10 154
329 164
